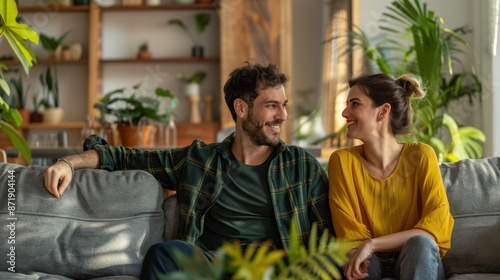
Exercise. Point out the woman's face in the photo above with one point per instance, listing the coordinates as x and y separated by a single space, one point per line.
361 115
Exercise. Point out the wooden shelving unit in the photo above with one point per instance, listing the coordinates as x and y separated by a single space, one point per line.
62 125
52 8
212 59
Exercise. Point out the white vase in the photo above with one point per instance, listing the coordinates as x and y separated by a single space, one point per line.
53 115
192 89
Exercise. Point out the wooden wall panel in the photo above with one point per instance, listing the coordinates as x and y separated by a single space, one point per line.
254 30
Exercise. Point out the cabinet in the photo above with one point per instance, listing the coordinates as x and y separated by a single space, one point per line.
111 36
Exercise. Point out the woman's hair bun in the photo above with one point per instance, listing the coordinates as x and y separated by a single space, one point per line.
411 85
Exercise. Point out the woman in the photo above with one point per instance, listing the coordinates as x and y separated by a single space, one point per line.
386 196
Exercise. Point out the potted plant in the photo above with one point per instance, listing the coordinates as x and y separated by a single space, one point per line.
53 44
37 114
431 53
66 53
53 113
22 97
201 21
129 110
144 52
16 34
192 90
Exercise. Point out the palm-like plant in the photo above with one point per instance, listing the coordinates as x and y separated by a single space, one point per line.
16 34
419 43
261 262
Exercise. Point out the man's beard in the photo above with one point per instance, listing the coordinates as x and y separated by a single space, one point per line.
255 132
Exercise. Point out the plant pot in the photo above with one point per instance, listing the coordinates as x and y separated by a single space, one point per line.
143 55
81 2
129 136
36 117
53 115
192 89
25 114
197 51
56 55
76 50
132 2
66 55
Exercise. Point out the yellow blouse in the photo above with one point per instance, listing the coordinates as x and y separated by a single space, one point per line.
413 196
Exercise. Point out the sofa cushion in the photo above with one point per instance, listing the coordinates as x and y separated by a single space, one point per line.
473 189
102 225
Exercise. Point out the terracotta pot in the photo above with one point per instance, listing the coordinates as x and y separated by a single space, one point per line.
25 114
53 115
66 55
144 55
129 136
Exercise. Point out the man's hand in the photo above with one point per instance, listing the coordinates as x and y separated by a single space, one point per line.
58 177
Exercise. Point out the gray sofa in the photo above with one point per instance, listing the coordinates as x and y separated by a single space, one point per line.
104 223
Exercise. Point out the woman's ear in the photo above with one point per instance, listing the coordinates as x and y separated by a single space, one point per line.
240 107
385 110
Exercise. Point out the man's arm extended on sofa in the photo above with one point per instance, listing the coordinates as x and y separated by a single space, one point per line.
59 175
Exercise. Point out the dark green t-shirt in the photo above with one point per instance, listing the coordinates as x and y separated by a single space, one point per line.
244 210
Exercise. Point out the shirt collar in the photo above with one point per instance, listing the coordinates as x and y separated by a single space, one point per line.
225 146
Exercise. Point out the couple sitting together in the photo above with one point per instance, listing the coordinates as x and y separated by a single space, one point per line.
386 197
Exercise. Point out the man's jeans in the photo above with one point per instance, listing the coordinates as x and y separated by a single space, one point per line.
160 258
419 260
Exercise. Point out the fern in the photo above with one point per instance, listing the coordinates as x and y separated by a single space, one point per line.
321 259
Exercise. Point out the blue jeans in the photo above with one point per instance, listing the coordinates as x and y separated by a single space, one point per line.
160 259
419 260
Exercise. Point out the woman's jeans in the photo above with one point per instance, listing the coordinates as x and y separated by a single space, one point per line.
419 260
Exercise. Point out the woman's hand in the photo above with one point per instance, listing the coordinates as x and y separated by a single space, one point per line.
358 261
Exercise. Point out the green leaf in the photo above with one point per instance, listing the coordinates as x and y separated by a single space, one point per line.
17 34
200 22
17 140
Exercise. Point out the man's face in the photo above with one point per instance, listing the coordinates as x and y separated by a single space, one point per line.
264 119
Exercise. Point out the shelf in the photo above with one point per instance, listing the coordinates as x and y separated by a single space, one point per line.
198 6
47 62
53 8
162 59
63 125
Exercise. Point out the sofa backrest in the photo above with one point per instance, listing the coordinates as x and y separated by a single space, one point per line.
102 225
473 190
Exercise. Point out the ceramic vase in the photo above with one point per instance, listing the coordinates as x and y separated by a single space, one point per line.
53 115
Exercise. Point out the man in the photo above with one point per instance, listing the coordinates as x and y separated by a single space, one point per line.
248 187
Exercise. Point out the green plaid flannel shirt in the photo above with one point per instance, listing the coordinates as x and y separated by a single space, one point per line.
198 172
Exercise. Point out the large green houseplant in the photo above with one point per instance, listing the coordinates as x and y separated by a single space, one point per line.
16 34
418 42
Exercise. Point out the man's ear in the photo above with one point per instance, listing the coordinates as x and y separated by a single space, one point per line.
240 107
